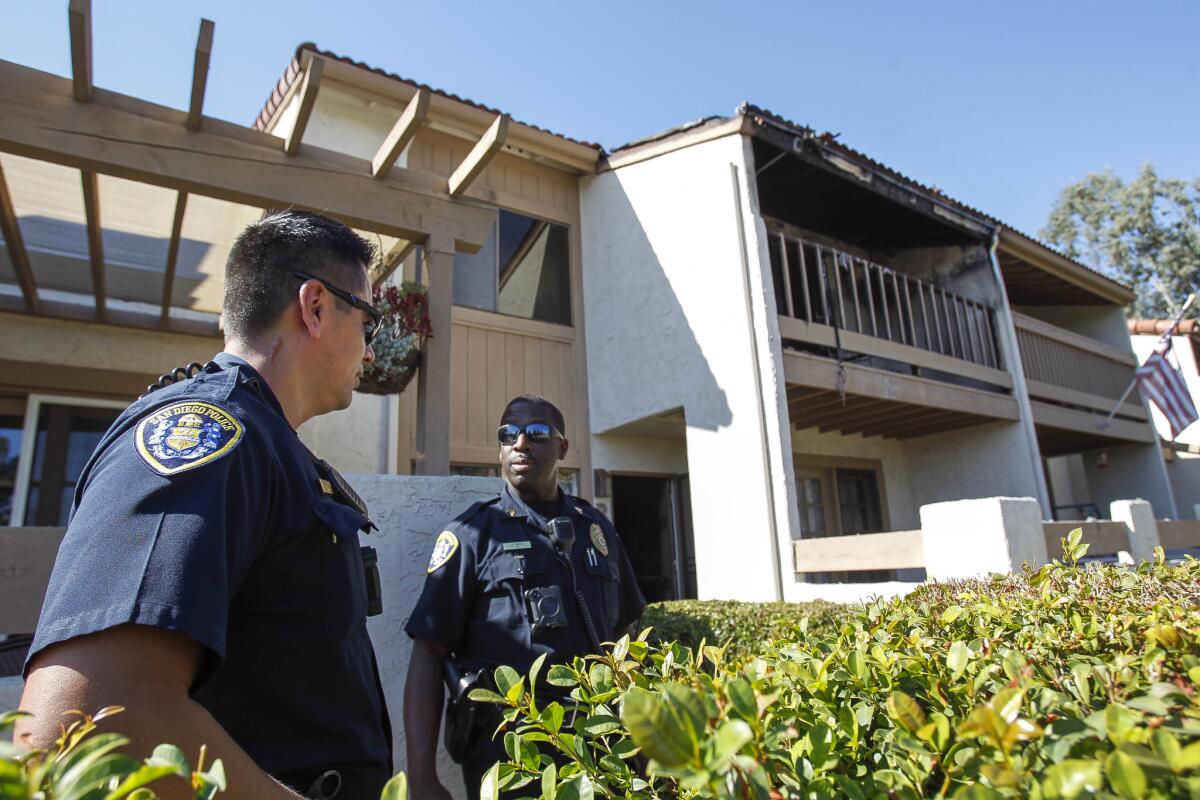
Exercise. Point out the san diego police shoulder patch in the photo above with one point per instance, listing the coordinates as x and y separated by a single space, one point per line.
186 435
443 549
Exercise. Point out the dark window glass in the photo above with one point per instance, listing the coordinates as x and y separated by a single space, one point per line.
858 501
475 470
10 452
523 270
66 437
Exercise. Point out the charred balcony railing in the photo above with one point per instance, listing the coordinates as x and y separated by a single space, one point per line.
820 285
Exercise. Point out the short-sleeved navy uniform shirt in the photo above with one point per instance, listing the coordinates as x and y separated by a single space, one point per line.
202 512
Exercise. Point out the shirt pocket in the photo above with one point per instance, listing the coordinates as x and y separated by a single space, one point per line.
502 601
343 582
604 577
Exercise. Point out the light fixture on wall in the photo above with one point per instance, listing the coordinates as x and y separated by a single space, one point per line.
1102 459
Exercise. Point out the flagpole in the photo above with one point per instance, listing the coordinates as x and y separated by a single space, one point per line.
1191 298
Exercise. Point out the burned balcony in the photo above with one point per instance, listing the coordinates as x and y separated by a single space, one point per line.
870 349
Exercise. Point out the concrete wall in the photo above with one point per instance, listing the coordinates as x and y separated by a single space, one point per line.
632 454
354 439
410 512
668 327
1133 471
980 461
964 270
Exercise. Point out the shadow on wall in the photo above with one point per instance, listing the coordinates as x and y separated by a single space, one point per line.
58 253
644 358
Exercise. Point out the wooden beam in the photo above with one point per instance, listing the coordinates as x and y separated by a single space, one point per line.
390 261
863 551
814 371
172 258
15 244
898 415
139 141
79 16
91 210
868 409
917 418
308 99
481 154
943 426
398 138
204 43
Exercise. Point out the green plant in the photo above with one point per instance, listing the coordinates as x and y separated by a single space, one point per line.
744 628
1058 683
400 341
86 765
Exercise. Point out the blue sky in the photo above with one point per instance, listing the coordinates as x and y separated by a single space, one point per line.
998 104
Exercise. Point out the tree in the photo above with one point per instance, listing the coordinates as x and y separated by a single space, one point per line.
1145 233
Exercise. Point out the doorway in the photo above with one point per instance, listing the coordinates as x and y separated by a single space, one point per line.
653 517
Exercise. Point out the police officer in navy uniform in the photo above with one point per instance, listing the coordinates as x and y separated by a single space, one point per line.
211 579
533 571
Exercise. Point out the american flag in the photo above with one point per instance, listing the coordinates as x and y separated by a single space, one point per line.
1163 384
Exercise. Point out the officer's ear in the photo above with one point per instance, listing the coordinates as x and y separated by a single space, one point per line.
563 446
314 301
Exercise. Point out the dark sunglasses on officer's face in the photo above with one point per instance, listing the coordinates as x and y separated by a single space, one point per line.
374 316
535 432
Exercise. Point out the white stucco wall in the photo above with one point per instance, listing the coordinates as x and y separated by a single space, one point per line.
1103 323
981 461
410 512
632 454
1132 471
667 327
354 439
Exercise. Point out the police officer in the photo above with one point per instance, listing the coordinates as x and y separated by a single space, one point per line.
211 579
533 571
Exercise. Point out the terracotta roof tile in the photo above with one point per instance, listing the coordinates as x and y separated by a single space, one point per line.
293 71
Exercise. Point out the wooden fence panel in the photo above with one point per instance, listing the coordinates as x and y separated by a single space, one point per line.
26 559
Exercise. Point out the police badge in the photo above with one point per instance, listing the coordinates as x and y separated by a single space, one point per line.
186 435
445 547
598 539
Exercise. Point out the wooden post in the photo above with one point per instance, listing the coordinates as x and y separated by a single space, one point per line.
204 43
91 210
433 392
308 101
804 281
172 258
887 319
787 276
79 16
854 290
870 298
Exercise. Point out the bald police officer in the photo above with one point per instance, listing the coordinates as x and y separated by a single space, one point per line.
502 588
211 579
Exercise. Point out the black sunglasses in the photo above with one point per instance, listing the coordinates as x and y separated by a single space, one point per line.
370 329
536 432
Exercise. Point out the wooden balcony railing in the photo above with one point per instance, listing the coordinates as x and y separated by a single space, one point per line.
822 286
1067 368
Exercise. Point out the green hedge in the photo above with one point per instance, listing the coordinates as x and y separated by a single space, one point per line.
1062 683
747 627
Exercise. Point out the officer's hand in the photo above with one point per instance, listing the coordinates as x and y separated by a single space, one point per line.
433 790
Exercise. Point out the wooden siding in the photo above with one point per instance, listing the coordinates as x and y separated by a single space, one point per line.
508 181
494 358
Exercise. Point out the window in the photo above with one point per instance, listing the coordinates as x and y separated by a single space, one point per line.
858 498
59 437
475 470
522 270
10 452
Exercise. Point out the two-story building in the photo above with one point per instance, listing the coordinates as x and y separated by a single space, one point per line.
756 333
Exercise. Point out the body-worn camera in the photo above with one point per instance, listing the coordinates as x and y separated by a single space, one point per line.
546 609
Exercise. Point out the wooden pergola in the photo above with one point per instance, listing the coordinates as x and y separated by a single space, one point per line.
50 126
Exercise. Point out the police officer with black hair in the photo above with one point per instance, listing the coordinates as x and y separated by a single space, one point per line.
211 578
531 572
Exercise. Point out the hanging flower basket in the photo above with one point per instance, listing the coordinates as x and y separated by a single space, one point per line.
400 342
